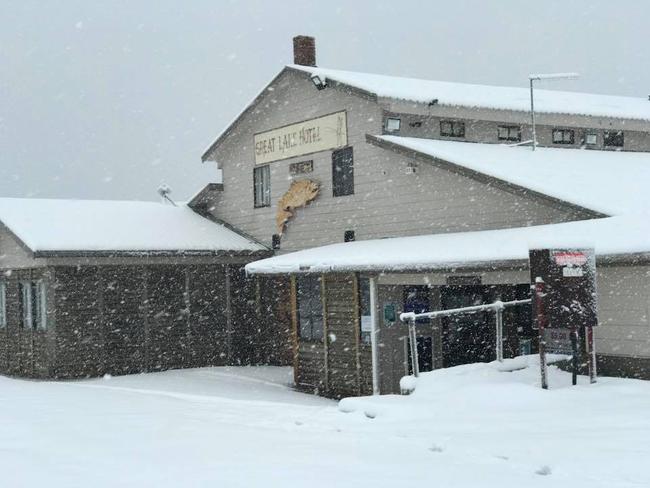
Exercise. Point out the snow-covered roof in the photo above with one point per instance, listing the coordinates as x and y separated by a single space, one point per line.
486 96
103 225
608 182
609 236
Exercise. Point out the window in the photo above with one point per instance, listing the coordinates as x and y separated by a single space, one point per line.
365 326
393 124
3 305
342 172
591 138
310 308
262 186
40 305
33 304
563 136
509 133
452 128
613 138
26 304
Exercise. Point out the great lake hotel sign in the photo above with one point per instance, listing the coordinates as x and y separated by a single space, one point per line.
310 136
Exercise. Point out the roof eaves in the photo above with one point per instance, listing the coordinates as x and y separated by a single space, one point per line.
148 253
233 125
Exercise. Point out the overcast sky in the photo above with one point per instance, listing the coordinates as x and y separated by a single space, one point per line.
109 99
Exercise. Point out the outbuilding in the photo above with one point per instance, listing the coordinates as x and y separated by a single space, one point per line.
112 287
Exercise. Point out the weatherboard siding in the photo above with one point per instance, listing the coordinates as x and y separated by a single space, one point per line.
387 200
623 301
12 254
119 319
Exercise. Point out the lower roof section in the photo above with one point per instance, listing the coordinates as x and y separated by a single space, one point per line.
80 227
606 182
611 237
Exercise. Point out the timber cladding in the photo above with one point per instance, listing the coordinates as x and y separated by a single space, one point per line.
23 351
339 365
120 319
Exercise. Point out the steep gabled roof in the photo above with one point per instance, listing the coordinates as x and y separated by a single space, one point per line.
463 95
488 96
103 226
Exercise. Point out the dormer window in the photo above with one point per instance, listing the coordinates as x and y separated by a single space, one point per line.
563 136
509 133
613 138
393 124
452 128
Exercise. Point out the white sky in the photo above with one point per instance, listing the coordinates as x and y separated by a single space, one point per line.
109 99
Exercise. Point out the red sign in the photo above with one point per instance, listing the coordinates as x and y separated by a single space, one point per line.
570 258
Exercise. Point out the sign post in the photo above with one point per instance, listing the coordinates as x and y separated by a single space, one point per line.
540 318
566 304
591 354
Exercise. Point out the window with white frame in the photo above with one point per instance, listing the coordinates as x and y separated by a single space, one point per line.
393 124
591 138
262 186
563 136
452 128
509 133
26 304
33 304
40 304
3 304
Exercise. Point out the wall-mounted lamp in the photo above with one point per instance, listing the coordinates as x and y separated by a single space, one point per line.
318 82
433 102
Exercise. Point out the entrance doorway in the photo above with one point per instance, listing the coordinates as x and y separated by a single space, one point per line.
417 299
471 338
466 338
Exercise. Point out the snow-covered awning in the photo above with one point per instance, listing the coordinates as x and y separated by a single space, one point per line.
609 182
611 237
487 96
51 225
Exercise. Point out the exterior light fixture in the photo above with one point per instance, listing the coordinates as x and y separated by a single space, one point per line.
318 82
539 77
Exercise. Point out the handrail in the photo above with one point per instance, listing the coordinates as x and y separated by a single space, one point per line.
498 305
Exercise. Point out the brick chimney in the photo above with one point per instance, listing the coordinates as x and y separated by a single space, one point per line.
304 50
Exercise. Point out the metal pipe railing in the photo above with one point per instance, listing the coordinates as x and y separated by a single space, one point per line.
498 307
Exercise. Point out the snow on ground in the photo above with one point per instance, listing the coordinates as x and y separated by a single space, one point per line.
470 426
